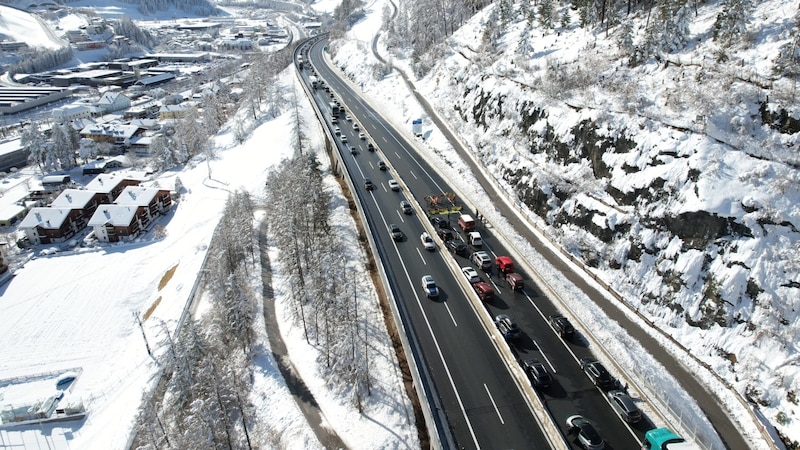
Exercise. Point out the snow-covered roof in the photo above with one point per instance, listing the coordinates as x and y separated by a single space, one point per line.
144 81
136 195
116 215
110 129
10 210
106 182
45 217
53 179
10 146
173 108
80 124
142 140
144 123
109 98
68 110
73 198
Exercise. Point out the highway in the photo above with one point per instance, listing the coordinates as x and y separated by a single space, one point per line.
483 404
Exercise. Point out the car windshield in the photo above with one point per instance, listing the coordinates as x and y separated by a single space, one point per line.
588 431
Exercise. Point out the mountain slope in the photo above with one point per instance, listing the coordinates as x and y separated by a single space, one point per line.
19 26
670 169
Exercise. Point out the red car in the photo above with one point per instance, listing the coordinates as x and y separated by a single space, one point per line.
484 291
504 264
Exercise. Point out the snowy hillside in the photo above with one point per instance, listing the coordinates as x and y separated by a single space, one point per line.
19 26
670 168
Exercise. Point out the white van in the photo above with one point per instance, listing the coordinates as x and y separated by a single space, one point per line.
475 239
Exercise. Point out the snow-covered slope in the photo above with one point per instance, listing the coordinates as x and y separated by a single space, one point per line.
675 179
19 26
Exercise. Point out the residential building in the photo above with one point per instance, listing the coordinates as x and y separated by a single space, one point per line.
172 111
111 185
114 133
133 211
69 113
113 101
81 199
45 225
156 201
102 165
114 223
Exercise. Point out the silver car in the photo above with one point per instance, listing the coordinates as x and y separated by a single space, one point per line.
624 406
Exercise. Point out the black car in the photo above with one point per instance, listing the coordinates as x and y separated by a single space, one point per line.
368 184
382 165
445 235
597 373
562 326
537 373
370 147
457 247
397 235
353 150
440 222
507 327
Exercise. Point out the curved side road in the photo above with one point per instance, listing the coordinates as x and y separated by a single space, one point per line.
717 415
302 395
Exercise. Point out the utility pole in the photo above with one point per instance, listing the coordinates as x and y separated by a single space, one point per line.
141 327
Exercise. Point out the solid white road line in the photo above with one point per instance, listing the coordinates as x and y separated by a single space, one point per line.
451 314
493 403
421 257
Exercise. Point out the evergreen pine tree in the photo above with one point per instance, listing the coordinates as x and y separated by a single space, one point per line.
546 11
731 23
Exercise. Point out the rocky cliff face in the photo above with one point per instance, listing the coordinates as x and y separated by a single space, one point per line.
619 200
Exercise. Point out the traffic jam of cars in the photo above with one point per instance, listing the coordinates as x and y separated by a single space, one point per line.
486 273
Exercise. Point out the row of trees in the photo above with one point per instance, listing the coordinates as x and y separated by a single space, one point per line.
40 59
324 285
197 7
207 370
128 28
423 25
